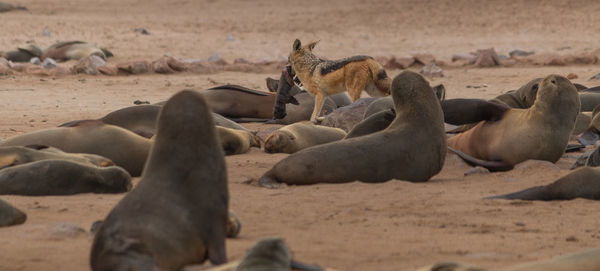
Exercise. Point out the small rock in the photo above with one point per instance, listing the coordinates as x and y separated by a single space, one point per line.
400 62
476 170
572 239
572 76
229 37
135 67
142 31
35 61
424 58
50 63
46 32
241 61
519 52
216 59
487 58
468 57
138 102
520 224
432 70
89 65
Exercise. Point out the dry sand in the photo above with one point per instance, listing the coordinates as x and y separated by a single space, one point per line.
395 225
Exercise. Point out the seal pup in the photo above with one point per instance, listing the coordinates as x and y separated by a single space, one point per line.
540 132
61 177
411 151
177 214
17 155
301 135
581 183
323 78
10 215
236 141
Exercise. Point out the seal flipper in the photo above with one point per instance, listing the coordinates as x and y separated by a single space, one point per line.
216 252
532 193
491 165
589 137
466 111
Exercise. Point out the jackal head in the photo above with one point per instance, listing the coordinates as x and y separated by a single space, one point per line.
301 58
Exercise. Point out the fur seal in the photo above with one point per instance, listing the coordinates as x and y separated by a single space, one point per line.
22 54
588 260
17 155
373 123
61 177
234 101
10 215
270 254
236 141
141 119
348 116
301 135
177 214
592 133
581 183
74 50
385 103
412 151
5 7
540 132
125 148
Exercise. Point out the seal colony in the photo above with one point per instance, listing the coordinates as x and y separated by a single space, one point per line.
179 214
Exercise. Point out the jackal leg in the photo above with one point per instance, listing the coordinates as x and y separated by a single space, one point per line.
319 102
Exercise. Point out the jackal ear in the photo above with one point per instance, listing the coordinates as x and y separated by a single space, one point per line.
297 45
311 45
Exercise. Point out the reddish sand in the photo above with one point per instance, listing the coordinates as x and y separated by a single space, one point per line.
395 225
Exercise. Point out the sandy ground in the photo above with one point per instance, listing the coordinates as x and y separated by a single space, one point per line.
395 225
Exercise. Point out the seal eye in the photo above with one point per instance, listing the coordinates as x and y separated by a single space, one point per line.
553 81
535 87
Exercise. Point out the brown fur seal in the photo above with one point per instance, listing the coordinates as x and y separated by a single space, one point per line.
22 54
233 101
236 141
373 123
592 133
540 132
141 119
347 117
385 103
74 50
410 150
123 147
298 136
61 177
10 215
184 197
17 155
268 254
588 260
581 183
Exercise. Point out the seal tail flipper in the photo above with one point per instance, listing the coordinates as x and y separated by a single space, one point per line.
589 137
491 165
574 147
527 194
216 252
